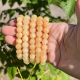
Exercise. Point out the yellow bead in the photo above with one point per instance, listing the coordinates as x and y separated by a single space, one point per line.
32 56
39 34
45 36
19 29
32 60
26 60
32 24
19 51
38 39
18 46
32 46
19 24
25 55
25 38
38 45
21 16
25 44
46 30
43 63
43 52
37 60
32 41
26 22
40 23
19 35
32 30
38 55
40 18
18 41
44 41
32 35
19 19
25 50
46 24
33 20
19 56
25 27
27 17
43 57
44 47
34 17
25 33
32 51
46 19
39 28
38 50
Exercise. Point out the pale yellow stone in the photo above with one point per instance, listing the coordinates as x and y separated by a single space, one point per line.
38 50
18 41
19 19
25 44
32 35
19 29
25 32
39 23
44 47
25 55
18 46
25 50
32 41
32 30
25 38
38 45
38 39
40 18
32 51
39 28
46 19
27 17
46 24
19 56
34 16
45 36
19 35
19 24
39 34
25 27
32 46
19 51
32 24
44 41
46 30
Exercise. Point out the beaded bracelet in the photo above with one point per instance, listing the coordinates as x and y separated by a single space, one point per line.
25 44
38 38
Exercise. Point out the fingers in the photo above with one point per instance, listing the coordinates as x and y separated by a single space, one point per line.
10 40
12 23
8 30
77 9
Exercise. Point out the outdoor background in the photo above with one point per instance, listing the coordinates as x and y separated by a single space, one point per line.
55 11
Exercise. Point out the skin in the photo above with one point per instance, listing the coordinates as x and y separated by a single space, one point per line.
63 44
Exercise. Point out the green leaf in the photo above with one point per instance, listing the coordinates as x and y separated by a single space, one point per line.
24 1
49 2
11 72
69 7
53 70
40 73
76 19
4 2
33 78
64 76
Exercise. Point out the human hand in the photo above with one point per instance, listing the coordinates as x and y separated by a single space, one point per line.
63 44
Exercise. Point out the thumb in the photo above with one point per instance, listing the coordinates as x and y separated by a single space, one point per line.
77 9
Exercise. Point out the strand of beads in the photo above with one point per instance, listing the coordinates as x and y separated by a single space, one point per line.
25 39
44 41
19 37
32 38
38 38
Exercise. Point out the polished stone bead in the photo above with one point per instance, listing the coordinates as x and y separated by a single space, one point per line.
18 46
32 24
32 41
46 30
25 27
32 46
19 56
39 28
38 39
19 51
19 24
19 29
25 32
25 38
38 45
45 36
44 41
18 41
25 44
32 30
32 35
46 19
46 24
19 35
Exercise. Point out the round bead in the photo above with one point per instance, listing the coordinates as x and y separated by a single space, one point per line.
18 41
25 32
46 19
32 60
19 56
27 17
40 23
44 47
32 46
19 19
43 52
25 22
43 63
44 41
38 50
25 50
32 30
38 39
33 20
38 45
37 60
19 24
32 56
38 55
25 26
39 28
45 35
39 34
46 24
32 41
19 35
19 51
21 16
40 18
25 44
19 29
32 51
32 24
25 38
26 60
32 35
25 55
43 57
46 30
18 46
34 17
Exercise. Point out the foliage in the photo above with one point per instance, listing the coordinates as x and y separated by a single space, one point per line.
8 57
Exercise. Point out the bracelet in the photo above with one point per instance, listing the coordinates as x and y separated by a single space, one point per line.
33 48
